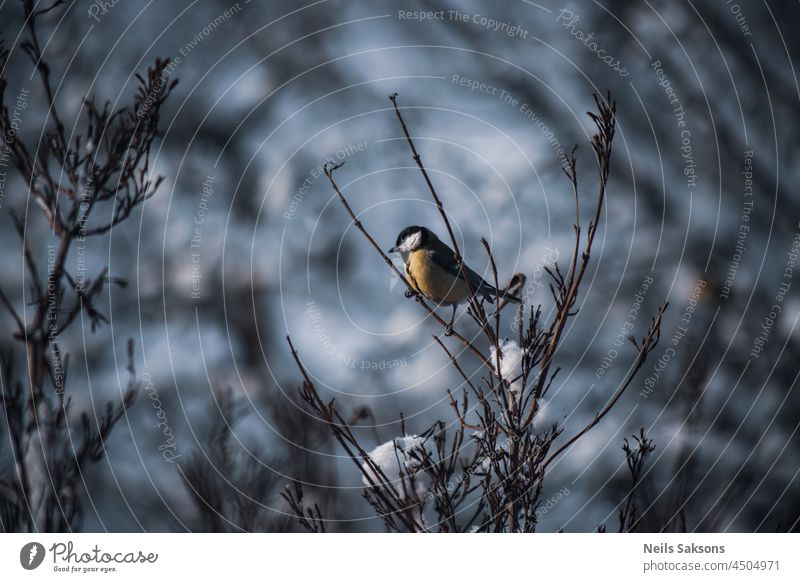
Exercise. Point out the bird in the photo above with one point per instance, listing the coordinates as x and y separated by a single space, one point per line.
432 270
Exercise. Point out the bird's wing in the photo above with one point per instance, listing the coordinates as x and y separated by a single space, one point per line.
447 261
442 255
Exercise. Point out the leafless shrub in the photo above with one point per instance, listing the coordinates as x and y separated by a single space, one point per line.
69 178
665 509
309 517
486 474
235 490
635 458
231 488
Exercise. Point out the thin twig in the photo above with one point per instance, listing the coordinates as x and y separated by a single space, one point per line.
649 342
601 143
418 160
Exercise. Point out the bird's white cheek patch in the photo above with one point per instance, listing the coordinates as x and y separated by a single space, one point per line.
410 243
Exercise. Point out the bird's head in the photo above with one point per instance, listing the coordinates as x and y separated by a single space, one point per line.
412 238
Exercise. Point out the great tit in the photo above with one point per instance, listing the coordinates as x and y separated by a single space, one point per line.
432 270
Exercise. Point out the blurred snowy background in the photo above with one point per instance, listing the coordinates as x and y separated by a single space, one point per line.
245 242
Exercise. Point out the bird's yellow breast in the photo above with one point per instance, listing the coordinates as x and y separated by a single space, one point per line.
434 282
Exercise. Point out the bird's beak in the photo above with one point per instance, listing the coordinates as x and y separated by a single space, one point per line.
393 250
